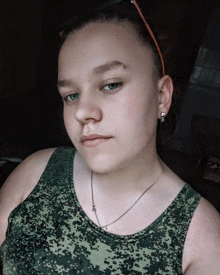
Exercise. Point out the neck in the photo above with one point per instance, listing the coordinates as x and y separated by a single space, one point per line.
133 178
115 190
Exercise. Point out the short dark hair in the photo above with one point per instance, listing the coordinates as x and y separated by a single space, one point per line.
115 11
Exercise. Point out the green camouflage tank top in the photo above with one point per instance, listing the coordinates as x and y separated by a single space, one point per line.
49 233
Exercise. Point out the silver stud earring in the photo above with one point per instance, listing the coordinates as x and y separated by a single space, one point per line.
162 117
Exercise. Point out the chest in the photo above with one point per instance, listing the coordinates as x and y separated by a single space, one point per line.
57 237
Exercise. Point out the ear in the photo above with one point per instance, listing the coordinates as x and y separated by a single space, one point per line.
165 88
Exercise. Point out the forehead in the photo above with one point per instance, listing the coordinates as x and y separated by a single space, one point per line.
101 42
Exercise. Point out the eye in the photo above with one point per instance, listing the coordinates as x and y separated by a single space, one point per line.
71 97
112 86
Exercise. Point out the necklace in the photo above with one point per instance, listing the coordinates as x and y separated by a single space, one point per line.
94 207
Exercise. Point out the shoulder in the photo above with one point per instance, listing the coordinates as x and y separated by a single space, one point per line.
26 175
20 183
202 245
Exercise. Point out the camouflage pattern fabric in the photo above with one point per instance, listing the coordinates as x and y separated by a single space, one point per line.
49 232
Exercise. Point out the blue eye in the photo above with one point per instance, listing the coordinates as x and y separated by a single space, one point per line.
111 86
72 97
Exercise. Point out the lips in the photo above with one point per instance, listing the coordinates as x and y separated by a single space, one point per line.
93 140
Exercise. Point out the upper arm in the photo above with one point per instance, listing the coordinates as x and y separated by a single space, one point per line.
202 246
19 185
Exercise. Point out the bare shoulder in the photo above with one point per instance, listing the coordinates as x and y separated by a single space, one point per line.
20 183
26 175
202 245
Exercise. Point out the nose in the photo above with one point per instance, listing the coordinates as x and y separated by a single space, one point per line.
88 110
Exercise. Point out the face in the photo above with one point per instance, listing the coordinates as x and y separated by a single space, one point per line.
111 99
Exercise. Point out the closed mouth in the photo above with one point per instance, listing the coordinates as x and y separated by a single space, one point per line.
93 137
93 140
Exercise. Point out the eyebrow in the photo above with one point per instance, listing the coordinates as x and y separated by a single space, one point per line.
108 66
101 69
64 83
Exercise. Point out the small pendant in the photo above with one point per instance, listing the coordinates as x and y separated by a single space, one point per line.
93 208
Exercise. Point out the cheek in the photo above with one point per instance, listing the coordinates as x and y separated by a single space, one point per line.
66 117
70 122
139 107
141 116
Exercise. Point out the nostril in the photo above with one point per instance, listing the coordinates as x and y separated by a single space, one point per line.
86 113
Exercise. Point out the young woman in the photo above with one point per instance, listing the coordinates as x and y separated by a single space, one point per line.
111 206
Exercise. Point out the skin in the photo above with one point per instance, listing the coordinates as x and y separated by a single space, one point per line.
126 164
128 113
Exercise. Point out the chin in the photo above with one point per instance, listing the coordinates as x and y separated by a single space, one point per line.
101 163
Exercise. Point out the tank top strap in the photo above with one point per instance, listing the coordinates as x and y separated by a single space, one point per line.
176 222
51 185
58 165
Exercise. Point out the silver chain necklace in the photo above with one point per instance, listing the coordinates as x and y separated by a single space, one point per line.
94 207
